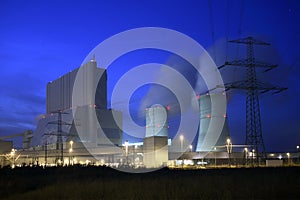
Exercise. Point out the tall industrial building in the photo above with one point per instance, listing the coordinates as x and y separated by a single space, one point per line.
210 136
60 91
89 122
155 148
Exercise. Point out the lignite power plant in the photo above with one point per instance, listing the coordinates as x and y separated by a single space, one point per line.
87 132
56 140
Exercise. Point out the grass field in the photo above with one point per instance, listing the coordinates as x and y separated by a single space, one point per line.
105 183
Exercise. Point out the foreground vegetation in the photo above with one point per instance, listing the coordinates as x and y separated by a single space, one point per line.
105 183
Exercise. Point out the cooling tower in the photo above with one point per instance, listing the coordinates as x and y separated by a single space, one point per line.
211 136
156 121
155 147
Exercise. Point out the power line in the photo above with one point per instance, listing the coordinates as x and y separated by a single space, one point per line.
212 29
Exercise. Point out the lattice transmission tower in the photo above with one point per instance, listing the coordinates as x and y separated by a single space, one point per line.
59 134
253 88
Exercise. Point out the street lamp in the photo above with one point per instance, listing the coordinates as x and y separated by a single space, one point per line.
297 147
12 153
229 149
215 149
181 140
70 152
191 148
288 155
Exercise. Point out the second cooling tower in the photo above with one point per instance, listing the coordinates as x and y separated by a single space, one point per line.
211 136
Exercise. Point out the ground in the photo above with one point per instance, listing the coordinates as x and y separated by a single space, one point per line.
105 183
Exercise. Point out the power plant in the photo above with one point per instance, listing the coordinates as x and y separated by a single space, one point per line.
85 131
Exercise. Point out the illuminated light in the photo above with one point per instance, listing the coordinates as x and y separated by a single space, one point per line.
224 115
246 149
181 137
198 96
297 147
95 106
168 107
228 141
208 116
168 126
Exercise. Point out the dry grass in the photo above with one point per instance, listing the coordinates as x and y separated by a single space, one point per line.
105 183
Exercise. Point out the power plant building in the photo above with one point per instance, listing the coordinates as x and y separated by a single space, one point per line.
60 91
89 121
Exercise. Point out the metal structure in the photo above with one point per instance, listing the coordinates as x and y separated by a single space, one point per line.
253 88
59 134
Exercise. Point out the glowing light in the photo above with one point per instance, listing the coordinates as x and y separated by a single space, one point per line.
228 140
208 116
224 115
181 137
168 107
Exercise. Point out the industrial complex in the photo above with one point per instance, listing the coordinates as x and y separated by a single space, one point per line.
86 132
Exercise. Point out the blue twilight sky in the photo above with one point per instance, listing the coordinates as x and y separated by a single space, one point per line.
42 40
